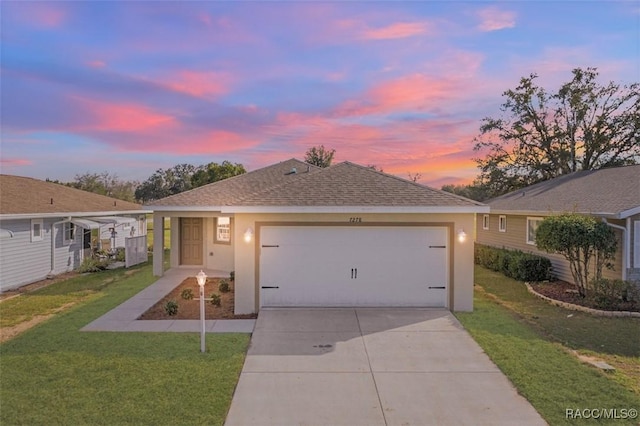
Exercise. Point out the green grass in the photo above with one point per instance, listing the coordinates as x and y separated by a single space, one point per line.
55 374
528 340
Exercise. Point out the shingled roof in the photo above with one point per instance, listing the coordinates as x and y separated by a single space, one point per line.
24 195
612 192
344 184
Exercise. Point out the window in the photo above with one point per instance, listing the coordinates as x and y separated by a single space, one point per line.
532 227
36 230
223 230
502 223
485 222
69 232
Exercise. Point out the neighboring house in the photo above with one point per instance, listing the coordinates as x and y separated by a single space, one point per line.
611 195
48 228
346 235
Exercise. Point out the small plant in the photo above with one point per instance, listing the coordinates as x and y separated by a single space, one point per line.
187 294
232 276
120 254
224 286
171 308
215 299
90 264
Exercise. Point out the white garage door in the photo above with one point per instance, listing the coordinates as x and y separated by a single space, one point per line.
353 266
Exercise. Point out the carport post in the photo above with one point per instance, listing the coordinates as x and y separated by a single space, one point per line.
202 279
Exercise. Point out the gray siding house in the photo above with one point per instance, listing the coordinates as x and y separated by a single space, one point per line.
611 195
47 228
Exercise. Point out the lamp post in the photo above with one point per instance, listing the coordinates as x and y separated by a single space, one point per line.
202 279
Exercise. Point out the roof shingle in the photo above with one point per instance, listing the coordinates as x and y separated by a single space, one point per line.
24 195
610 191
345 184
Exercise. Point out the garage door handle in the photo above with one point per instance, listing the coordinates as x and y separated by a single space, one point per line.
270 286
267 246
437 246
443 287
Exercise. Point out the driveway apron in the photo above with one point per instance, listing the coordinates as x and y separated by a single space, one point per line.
371 367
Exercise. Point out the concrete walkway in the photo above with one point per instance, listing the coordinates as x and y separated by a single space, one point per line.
371 367
125 316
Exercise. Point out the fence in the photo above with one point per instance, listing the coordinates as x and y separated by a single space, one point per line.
135 250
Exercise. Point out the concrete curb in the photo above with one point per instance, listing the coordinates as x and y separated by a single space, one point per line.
573 307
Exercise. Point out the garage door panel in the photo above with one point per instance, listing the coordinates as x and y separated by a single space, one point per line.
344 266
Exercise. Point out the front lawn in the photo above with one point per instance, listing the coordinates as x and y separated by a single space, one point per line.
55 374
530 341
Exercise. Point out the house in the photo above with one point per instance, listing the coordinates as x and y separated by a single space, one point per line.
48 228
611 195
346 235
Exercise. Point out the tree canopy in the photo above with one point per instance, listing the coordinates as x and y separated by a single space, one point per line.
183 177
541 135
319 156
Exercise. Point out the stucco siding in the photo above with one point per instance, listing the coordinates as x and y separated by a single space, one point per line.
515 238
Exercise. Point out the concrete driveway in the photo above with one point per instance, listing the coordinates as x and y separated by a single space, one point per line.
371 367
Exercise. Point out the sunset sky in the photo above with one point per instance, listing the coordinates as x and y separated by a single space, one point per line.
130 87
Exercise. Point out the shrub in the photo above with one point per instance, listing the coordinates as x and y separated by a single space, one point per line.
171 307
232 276
187 294
613 294
224 286
514 263
215 299
120 254
90 264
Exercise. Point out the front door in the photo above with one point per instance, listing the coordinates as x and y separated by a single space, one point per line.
191 241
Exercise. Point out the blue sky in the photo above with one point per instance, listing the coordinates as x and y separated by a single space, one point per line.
130 87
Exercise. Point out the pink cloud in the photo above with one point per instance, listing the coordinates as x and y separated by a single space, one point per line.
396 30
96 64
493 19
123 117
417 92
200 84
9 162
47 15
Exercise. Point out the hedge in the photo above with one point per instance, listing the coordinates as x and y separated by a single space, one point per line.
514 264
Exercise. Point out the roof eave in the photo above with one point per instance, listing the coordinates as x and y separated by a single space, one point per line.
628 213
324 209
547 212
11 216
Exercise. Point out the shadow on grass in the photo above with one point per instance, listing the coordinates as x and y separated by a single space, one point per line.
576 330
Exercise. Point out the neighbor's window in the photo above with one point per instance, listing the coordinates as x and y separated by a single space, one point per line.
532 227
36 230
69 232
223 230
502 223
485 222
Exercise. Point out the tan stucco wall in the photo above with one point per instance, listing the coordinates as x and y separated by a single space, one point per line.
246 254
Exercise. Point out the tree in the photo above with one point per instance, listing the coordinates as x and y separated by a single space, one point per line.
319 156
105 183
581 240
472 191
542 135
415 177
214 172
164 183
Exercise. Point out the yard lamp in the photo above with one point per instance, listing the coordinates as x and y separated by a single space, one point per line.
202 279
462 236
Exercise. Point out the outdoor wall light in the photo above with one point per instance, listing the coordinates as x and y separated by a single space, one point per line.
462 236
201 277
248 235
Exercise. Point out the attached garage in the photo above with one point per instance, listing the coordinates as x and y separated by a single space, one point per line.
340 236
354 266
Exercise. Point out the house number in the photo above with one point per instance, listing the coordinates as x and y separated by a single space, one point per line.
355 219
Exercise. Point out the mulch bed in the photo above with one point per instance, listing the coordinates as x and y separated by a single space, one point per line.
190 309
566 292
